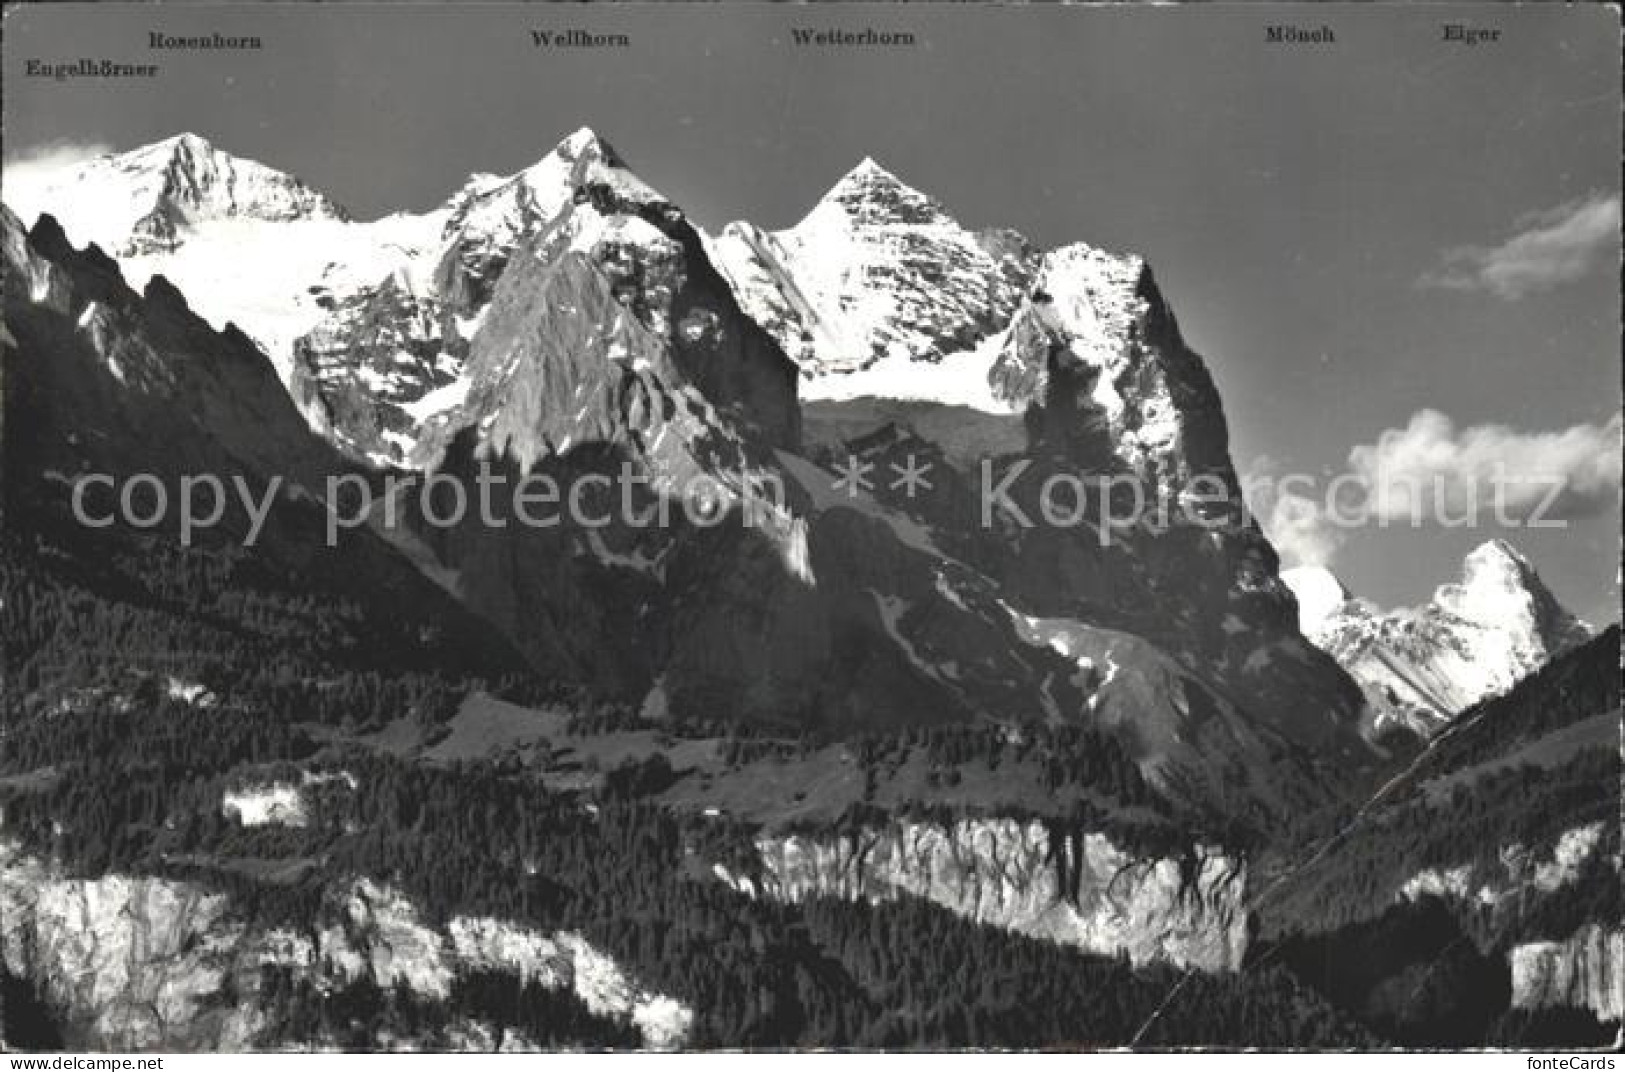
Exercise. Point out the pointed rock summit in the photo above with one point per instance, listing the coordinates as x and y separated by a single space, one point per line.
872 195
391 355
877 273
1421 666
1499 587
582 141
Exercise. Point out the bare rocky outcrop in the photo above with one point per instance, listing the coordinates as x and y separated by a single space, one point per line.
1586 970
1070 887
138 963
131 963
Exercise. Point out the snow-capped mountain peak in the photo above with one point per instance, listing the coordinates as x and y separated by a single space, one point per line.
490 215
1475 638
161 153
152 198
867 174
582 140
1498 585
877 273
870 195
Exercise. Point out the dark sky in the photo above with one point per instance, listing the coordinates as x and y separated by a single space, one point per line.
1291 199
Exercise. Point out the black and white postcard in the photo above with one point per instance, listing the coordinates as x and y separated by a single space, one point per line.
821 527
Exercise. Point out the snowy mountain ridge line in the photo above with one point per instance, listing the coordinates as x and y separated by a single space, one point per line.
878 291
257 247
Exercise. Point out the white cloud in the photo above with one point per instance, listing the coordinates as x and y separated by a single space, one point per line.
1430 465
1430 472
1297 524
1301 531
25 178
1552 247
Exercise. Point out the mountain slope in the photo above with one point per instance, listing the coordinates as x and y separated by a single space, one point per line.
1477 899
569 322
101 380
1011 367
615 353
1421 666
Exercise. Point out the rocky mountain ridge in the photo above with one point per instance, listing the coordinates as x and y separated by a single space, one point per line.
609 335
570 322
1421 666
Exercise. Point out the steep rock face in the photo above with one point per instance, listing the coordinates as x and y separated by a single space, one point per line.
1098 325
1585 971
392 356
135 961
1030 378
383 358
1419 667
612 310
565 959
612 359
129 380
143 963
103 380
1075 888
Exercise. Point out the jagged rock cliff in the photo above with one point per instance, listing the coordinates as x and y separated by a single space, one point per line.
1586 970
138 963
104 380
133 963
1025 371
610 318
125 381
1067 886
